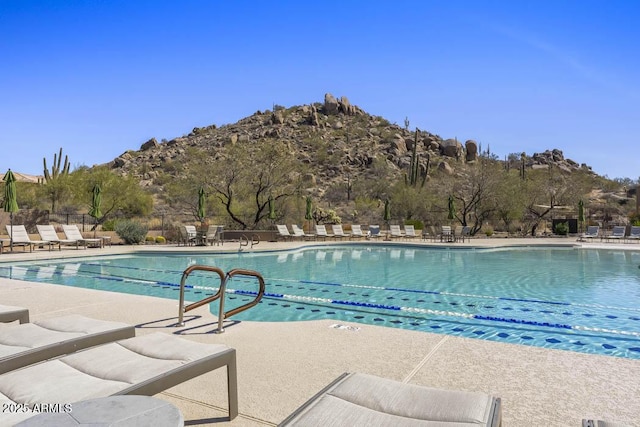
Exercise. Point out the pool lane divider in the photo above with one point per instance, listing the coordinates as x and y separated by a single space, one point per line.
383 288
379 306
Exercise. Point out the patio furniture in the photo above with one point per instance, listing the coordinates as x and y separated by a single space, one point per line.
395 232
111 411
321 232
283 232
299 232
355 399
617 233
10 313
446 234
356 231
72 232
634 234
374 232
409 232
465 233
29 343
20 237
600 423
48 232
144 365
215 235
592 232
338 232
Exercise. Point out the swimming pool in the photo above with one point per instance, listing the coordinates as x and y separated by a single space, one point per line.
584 300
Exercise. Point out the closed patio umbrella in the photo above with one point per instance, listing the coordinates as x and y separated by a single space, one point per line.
308 215
202 201
10 200
581 212
96 201
387 211
452 209
272 209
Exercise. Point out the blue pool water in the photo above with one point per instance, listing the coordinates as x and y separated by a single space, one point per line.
583 300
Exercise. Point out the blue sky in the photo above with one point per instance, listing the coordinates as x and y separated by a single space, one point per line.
98 78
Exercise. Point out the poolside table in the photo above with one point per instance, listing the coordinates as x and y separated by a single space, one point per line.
112 411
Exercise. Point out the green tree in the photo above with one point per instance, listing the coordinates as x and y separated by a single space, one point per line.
245 176
119 193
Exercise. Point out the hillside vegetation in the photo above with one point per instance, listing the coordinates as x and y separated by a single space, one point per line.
349 163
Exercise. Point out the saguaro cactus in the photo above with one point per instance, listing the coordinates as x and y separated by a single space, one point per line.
55 168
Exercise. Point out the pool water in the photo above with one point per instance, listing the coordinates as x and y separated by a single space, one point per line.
583 300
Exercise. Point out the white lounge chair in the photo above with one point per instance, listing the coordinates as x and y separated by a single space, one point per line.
356 231
338 232
72 232
144 365
409 232
34 342
617 233
321 232
9 313
299 232
20 237
366 400
48 232
283 232
395 232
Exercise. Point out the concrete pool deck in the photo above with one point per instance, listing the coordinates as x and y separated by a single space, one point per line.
281 365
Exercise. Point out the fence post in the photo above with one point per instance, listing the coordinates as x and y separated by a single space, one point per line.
83 222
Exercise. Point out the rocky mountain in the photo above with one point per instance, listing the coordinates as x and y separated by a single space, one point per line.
335 138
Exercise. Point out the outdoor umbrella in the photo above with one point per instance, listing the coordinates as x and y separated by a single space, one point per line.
452 209
581 212
201 204
308 215
96 201
387 211
10 202
272 209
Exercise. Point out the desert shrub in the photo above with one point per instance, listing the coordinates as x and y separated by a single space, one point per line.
150 239
562 228
161 240
488 231
131 232
109 225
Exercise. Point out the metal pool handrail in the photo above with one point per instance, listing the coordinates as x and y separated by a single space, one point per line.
224 278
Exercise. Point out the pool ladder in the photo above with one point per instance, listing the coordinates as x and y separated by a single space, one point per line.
244 241
224 278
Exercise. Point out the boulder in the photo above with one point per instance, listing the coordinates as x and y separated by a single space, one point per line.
152 143
451 148
346 107
472 150
444 167
277 118
331 105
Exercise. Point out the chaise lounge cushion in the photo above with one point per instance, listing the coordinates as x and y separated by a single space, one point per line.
22 345
144 365
360 399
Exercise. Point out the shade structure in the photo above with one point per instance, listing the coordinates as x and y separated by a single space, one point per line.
272 209
10 200
452 209
387 211
202 201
